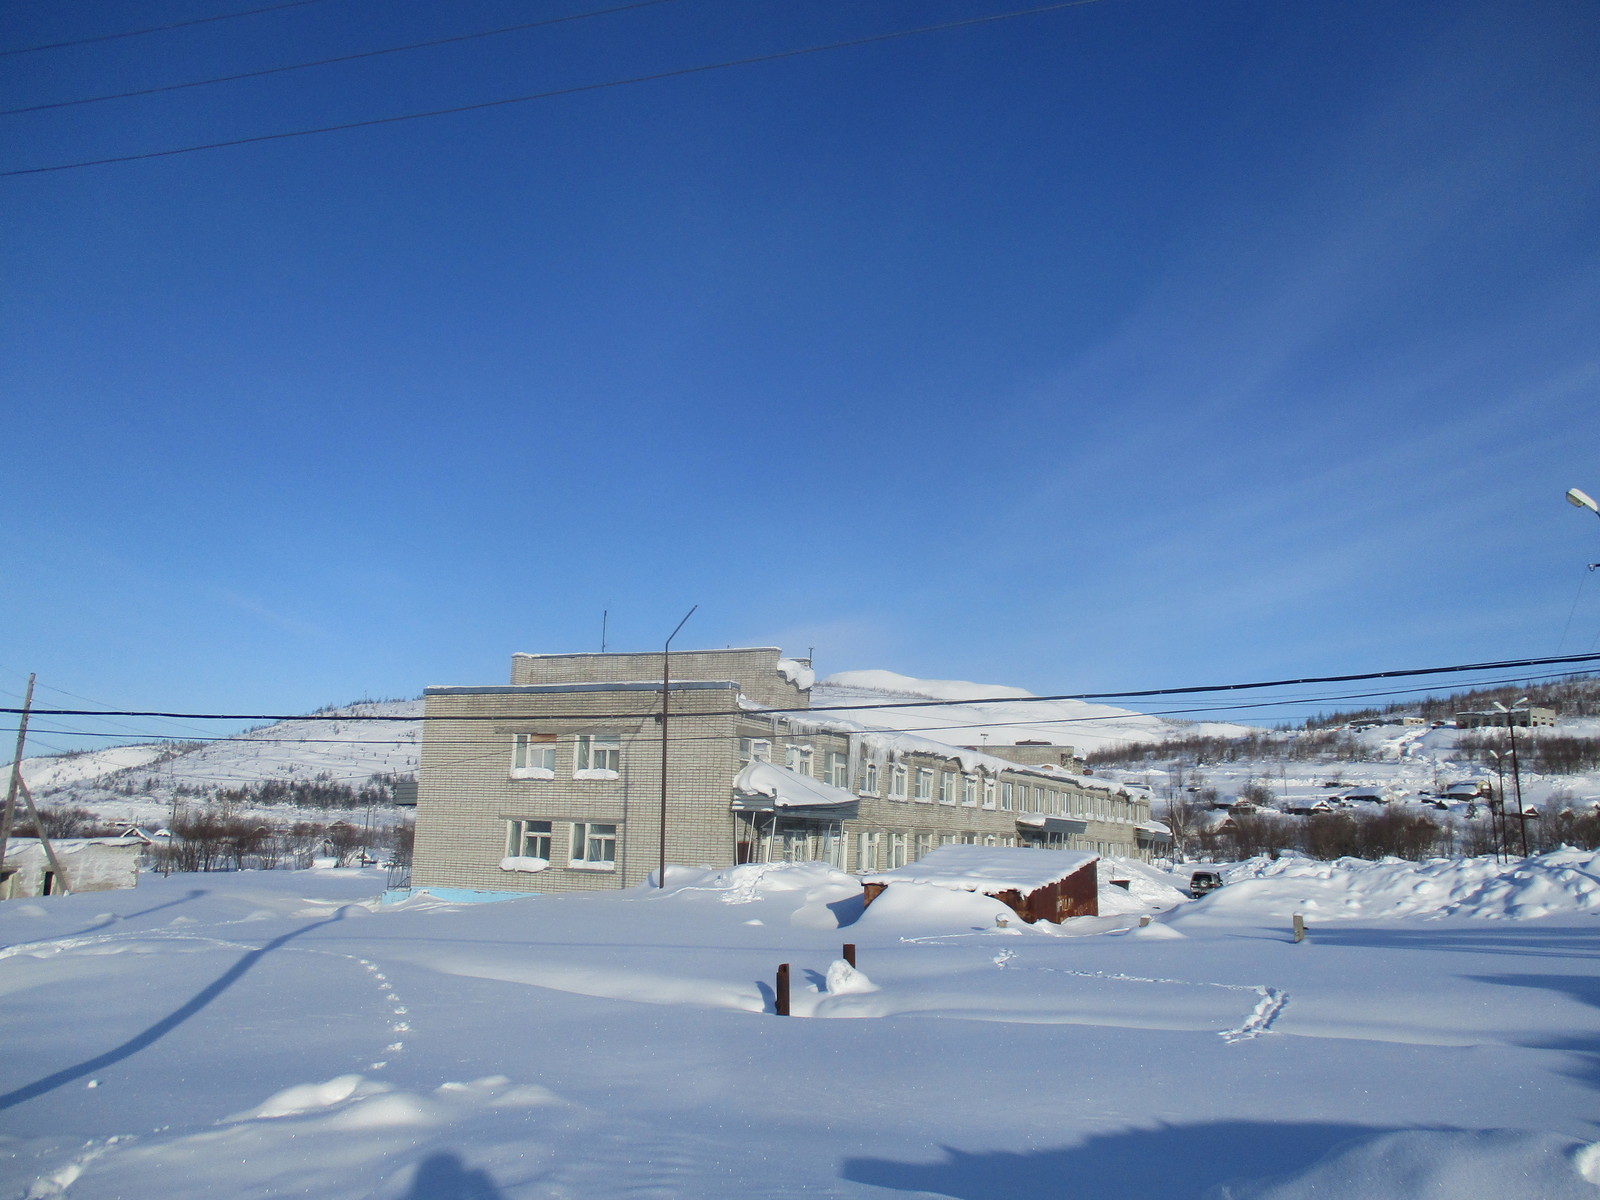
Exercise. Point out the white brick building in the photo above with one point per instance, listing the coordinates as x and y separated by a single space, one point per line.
554 782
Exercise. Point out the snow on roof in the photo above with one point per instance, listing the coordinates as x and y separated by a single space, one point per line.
68 845
798 672
884 744
789 789
636 653
988 868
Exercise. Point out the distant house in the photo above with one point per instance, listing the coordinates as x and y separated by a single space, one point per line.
1518 718
90 865
1363 796
1037 885
554 781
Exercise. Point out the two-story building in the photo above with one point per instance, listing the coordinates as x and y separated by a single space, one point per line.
554 782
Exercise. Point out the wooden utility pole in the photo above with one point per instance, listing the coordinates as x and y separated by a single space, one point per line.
16 781
44 838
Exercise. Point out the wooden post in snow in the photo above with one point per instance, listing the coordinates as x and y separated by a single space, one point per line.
780 993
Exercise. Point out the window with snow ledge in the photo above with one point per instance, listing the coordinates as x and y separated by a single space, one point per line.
527 841
797 758
869 778
532 753
597 756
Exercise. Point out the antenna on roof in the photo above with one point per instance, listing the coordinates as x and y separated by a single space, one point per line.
605 616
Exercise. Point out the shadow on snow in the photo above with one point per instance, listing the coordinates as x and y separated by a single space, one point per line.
1169 1162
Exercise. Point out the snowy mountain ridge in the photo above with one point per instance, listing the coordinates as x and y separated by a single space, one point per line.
1017 717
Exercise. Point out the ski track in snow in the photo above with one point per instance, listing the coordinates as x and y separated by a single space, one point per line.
1271 1001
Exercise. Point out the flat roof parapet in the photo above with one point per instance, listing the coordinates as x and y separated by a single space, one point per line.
535 689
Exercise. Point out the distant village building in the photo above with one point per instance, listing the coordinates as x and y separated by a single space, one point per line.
90 865
553 782
1519 718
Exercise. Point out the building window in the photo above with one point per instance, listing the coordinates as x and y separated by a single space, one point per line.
924 843
897 850
897 782
797 758
594 846
869 777
599 756
988 793
866 853
924 784
947 788
1005 796
969 791
528 839
754 749
533 756
838 769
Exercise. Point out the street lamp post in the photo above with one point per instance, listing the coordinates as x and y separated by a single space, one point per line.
666 687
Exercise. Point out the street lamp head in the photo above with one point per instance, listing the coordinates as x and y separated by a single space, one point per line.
1579 499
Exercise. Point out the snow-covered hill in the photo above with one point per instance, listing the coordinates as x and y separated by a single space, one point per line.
1022 718
138 784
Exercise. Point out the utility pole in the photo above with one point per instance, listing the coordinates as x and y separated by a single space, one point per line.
1516 774
16 781
666 694
44 838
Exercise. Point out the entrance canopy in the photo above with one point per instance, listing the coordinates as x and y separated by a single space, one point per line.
767 787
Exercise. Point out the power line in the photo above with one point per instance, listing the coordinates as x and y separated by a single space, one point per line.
1411 672
323 62
555 93
111 37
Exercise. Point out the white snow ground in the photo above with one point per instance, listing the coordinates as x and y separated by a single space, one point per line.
282 1034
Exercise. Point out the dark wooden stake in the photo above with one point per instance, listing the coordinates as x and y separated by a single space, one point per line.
850 953
780 994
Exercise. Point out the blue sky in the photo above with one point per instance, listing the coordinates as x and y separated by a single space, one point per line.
1134 344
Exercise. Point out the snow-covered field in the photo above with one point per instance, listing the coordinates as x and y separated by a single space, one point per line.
281 1033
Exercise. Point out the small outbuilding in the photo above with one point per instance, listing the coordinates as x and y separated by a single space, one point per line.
90 865
1037 885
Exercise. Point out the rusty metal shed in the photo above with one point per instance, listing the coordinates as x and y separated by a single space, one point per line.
1037 885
